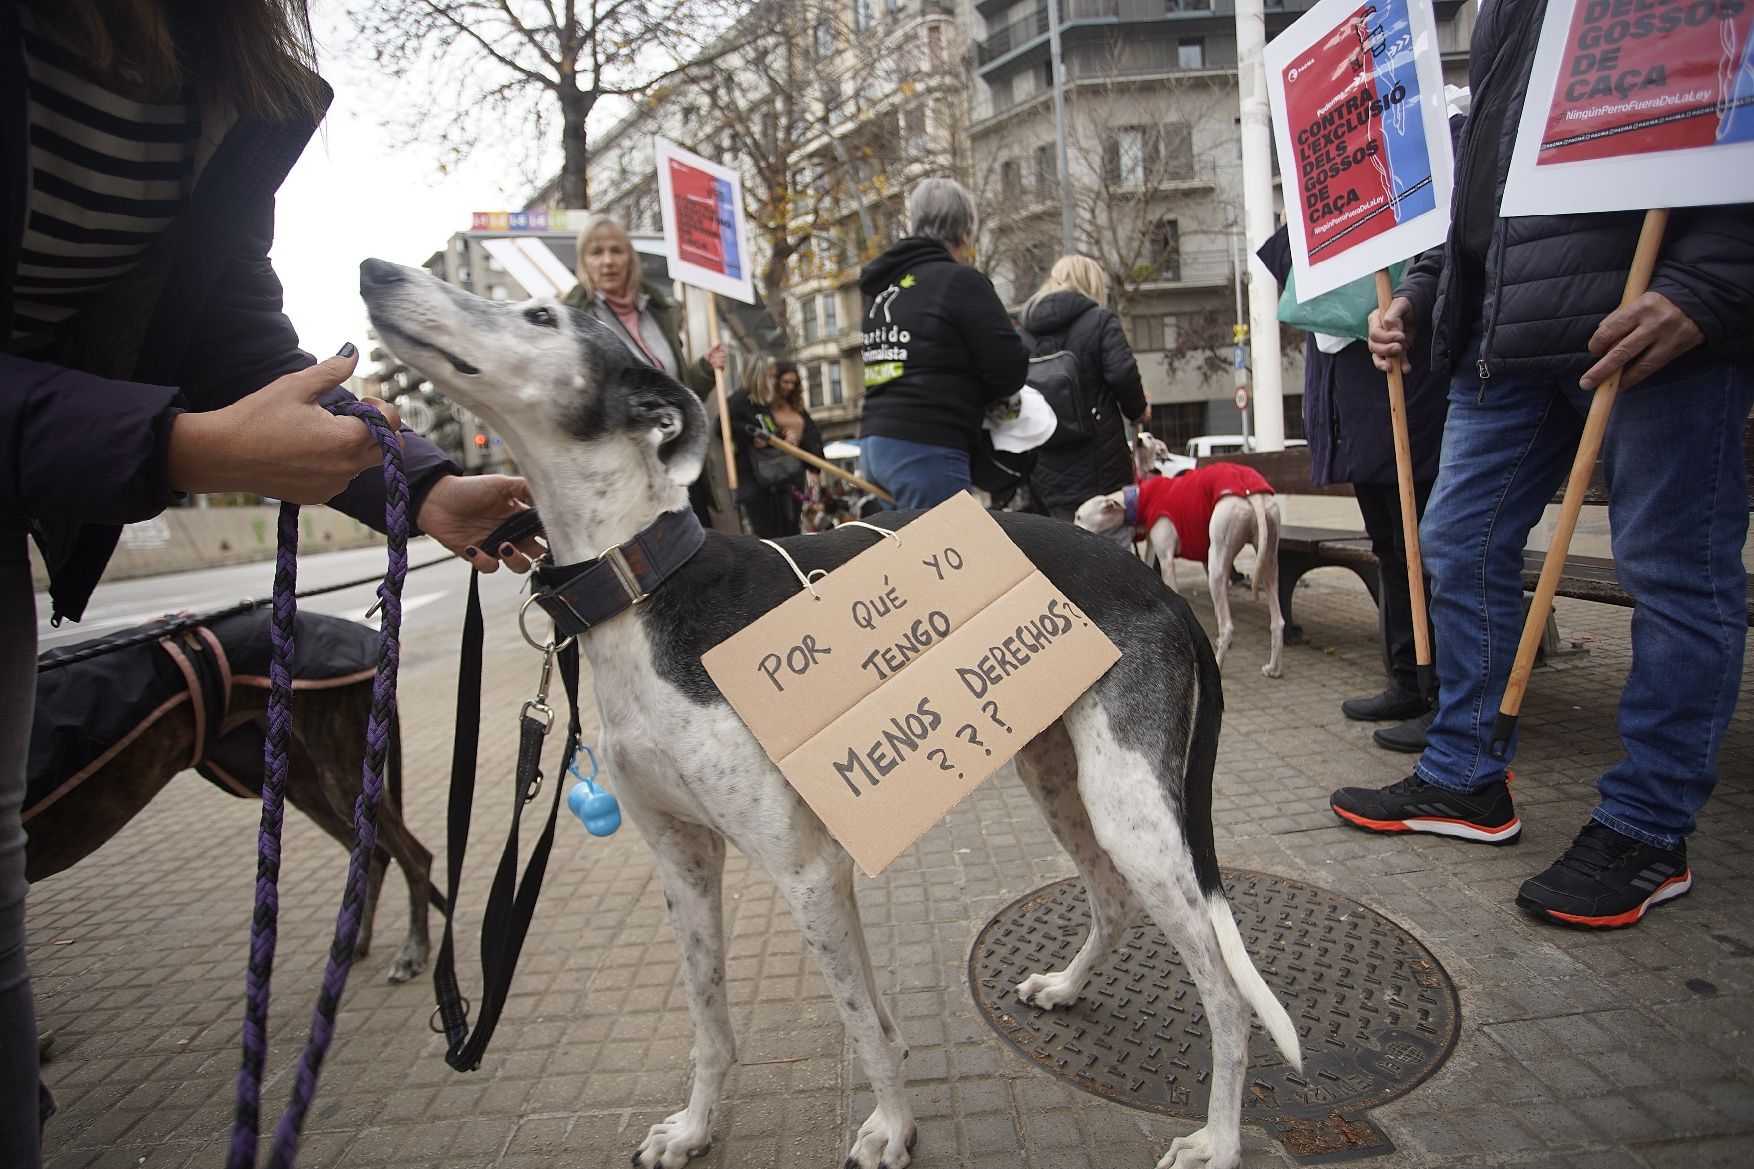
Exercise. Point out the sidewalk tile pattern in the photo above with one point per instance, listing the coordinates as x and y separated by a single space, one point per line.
1627 1049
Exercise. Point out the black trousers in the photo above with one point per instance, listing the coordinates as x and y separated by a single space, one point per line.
1381 508
771 514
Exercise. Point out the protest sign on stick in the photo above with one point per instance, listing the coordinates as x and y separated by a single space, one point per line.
1633 105
705 242
1356 90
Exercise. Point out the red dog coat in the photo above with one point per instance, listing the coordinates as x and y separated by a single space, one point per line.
1188 500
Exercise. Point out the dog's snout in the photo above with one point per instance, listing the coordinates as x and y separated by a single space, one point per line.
376 273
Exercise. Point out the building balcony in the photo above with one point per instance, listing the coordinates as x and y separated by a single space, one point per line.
1023 43
1185 269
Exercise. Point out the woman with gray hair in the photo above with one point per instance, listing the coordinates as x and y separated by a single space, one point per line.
938 347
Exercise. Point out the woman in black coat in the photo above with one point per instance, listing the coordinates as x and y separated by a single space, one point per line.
1067 313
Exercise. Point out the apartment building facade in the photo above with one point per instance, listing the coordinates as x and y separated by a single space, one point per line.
902 89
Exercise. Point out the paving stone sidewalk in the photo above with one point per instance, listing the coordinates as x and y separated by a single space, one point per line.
1623 1049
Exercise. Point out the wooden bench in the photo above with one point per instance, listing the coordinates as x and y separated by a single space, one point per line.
1586 578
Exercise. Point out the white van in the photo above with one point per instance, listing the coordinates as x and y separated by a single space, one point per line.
1206 446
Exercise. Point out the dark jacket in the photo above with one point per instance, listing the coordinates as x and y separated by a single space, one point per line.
938 347
1549 280
195 326
697 375
749 420
1066 476
1346 404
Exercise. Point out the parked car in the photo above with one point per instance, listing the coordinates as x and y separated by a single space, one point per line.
1206 446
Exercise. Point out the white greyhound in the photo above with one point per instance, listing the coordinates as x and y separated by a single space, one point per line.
1124 776
1220 520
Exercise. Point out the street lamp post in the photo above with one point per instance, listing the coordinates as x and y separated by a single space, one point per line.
1056 62
1257 202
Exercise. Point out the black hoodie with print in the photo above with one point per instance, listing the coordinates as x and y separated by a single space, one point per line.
938 346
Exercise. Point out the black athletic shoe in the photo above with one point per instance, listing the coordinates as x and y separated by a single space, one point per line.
1606 880
1408 738
1412 805
1389 706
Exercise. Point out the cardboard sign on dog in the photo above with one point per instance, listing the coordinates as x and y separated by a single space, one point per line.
910 674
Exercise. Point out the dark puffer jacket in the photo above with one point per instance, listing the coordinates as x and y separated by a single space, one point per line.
1066 476
938 347
1549 280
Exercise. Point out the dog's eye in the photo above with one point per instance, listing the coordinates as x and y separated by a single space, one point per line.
541 316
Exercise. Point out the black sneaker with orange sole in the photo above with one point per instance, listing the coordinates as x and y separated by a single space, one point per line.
1412 805
1606 880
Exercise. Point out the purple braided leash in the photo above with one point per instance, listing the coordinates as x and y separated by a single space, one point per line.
379 728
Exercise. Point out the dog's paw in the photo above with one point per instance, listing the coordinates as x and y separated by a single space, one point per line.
1199 1150
672 1142
1048 991
1272 671
884 1142
406 966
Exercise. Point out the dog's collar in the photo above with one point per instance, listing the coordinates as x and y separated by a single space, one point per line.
1130 504
584 595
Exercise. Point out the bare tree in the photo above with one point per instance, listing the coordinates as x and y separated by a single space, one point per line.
822 114
518 71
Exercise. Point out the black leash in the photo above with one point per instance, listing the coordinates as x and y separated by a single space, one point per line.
511 902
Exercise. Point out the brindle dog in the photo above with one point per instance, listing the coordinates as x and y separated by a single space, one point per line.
323 781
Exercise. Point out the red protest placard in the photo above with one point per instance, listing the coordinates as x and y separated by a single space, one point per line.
1356 90
1635 104
1639 76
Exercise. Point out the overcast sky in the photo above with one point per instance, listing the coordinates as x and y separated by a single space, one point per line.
356 193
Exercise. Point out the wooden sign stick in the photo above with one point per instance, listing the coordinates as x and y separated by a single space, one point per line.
825 465
712 337
1409 508
1650 238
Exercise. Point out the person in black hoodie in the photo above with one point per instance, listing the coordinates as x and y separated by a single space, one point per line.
938 347
1067 313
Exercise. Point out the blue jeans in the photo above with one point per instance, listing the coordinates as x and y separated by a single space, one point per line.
1679 516
918 474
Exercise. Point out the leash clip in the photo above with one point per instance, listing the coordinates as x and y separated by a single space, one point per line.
539 704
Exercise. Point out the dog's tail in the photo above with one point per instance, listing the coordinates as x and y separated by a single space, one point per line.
1249 981
1259 505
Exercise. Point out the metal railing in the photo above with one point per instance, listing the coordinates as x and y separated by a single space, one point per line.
1013 36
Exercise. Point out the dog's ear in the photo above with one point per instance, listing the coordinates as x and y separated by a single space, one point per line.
670 419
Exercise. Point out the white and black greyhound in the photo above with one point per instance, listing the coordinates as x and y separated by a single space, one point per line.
1124 777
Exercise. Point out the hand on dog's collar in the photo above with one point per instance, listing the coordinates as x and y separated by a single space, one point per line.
584 595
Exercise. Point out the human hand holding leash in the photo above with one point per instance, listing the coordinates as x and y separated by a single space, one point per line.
461 510
312 455
1391 333
1640 339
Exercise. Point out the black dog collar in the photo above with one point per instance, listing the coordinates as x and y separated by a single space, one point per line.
584 595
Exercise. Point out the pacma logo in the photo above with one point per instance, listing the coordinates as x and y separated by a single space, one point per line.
1291 73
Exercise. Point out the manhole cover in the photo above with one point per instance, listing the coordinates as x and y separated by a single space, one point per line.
1375 1012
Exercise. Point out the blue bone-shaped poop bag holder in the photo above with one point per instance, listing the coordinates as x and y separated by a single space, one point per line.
596 808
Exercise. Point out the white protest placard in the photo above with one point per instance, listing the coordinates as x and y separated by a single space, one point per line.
705 233
917 669
532 265
1356 89
1634 104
